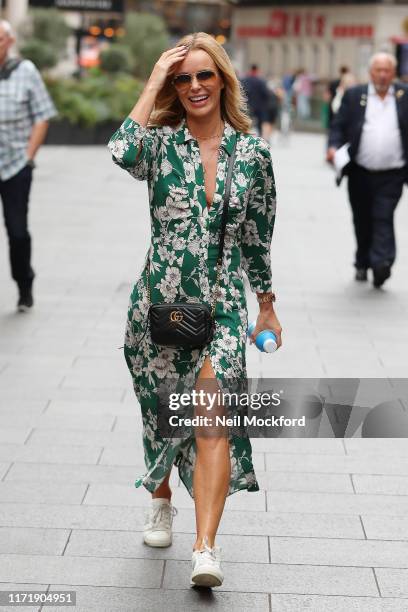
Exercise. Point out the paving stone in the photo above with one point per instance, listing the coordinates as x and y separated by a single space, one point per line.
70 473
319 603
145 573
353 553
387 485
29 492
84 438
31 541
280 501
347 464
130 518
288 481
130 544
50 454
104 599
392 582
389 528
262 578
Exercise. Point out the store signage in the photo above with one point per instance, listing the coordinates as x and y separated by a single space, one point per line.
353 31
115 6
282 23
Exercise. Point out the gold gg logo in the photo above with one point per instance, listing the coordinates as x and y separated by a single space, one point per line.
176 316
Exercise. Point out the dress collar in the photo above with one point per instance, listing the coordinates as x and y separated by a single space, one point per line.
182 135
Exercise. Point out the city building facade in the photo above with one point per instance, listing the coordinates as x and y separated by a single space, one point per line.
319 37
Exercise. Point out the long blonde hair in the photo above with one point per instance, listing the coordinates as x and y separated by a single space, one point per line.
168 109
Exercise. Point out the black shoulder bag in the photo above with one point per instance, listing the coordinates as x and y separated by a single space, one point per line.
185 324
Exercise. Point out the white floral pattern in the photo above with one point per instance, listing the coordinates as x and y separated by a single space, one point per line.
183 252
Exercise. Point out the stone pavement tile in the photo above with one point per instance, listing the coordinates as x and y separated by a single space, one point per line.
72 474
4 466
144 573
31 541
14 435
378 484
14 406
50 454
371 446
334 603
30 492
323 446
348 464
319 551
337 502
92 408
393 582
80 437
304 481
103 422
263 578
118 518
42 390
110 599
392 528
112 494
13 586
129 544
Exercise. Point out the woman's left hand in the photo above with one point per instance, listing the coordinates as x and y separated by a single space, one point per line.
267 319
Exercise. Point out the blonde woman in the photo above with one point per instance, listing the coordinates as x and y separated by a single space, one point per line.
179 137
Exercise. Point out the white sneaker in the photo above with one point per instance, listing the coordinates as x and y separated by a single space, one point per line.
206 564
159 519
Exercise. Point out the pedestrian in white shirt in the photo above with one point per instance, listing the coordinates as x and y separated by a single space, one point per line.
373 121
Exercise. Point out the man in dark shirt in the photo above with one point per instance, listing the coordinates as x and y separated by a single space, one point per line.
257 93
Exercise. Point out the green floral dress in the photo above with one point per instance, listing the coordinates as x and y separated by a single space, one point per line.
183 253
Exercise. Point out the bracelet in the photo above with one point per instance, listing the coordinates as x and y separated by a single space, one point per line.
266 297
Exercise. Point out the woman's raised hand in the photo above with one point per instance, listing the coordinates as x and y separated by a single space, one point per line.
164 64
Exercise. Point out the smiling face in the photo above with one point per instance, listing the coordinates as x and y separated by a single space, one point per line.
200 98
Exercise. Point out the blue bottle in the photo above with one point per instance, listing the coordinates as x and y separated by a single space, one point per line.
265 340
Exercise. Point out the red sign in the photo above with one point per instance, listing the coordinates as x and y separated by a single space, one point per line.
282 23
353 31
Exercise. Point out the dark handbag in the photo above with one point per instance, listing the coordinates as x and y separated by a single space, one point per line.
189 324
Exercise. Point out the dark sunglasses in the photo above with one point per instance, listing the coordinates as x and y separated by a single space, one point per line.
184 79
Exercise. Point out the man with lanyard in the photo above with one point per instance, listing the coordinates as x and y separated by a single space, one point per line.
373 123
25 108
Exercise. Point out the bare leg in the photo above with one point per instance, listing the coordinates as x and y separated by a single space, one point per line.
164 489
212 469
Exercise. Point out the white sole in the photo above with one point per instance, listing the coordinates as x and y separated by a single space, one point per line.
157 543
206 578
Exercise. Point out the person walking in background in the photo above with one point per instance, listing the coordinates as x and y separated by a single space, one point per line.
25 108
302 87
181 138
272 108
373 123
258 96
332 91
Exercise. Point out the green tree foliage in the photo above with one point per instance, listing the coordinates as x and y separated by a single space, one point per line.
94 99
44 37
116 58
147 37
41 54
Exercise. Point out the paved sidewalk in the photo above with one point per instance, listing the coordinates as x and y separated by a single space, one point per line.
328 531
